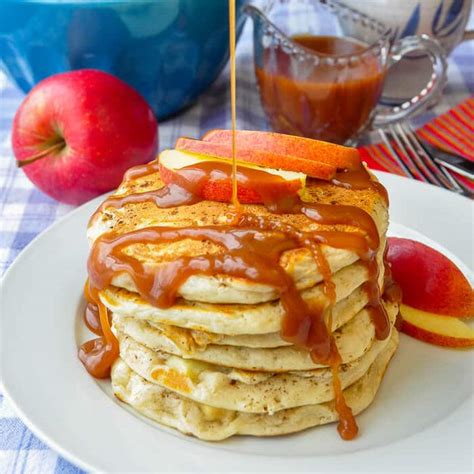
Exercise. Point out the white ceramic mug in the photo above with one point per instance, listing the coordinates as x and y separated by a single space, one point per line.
444 20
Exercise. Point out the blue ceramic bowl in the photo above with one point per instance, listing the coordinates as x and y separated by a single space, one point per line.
169 50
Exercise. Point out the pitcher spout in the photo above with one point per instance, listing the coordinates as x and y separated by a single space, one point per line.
259 13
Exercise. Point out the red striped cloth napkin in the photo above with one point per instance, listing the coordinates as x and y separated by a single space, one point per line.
452 131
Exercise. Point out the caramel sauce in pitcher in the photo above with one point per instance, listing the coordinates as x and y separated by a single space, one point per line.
322 101
252 246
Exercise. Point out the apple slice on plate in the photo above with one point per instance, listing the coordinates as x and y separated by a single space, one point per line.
429 280
435 294
211 178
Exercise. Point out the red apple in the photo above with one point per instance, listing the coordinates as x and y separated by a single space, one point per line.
76 133
429 280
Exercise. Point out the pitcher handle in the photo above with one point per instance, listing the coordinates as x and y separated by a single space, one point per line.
434 86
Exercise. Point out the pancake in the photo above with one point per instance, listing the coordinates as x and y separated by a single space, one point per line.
208 423
344 311
224 289
231 319
299 263
242 390
352 340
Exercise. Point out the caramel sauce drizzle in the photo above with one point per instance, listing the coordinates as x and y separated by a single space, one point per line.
165 197
189 181
392 291
92 319
98 354
359 179
249 253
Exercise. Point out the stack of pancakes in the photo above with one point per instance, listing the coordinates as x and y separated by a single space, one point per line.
214 364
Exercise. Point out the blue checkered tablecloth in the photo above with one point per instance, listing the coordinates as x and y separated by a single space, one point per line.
25 211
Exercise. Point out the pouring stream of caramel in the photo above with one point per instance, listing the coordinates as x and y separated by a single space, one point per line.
233 97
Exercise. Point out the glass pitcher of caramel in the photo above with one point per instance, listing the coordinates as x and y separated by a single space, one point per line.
321 66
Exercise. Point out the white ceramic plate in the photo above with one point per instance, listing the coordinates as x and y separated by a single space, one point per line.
422 418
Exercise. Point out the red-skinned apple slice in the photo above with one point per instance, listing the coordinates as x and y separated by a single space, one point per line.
210 178
429 280
341 157
436 329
